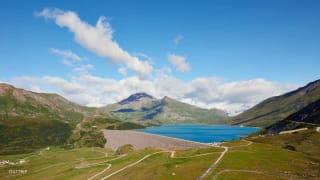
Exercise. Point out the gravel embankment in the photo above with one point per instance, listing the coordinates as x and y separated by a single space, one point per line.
140 140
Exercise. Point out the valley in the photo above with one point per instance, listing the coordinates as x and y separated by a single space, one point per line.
45 135
255 157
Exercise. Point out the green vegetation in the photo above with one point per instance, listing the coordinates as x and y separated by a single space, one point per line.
278 108
308 117
20 104
125 149
306 142
265 161
125 126
89 133
27 135
83 163
265 158
29 121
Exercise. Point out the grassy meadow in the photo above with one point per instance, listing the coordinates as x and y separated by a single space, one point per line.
255 158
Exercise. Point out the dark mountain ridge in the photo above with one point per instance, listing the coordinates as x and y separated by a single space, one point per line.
307 117
277 108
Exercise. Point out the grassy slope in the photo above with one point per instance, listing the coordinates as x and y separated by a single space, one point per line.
306 142
190 114
307 117
29 121
278 108
264 159
267 159
17 104
88 133
27 135
58 163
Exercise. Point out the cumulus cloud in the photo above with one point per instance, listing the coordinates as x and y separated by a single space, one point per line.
67 87
179 62
206 92
66 54
177 39
98 39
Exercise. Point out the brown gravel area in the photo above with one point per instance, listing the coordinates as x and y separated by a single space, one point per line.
140 140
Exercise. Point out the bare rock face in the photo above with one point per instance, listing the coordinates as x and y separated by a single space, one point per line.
136 98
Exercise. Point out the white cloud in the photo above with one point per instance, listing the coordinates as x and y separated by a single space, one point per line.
67 87
177 39
98 39
179 62
123 71
207 92
66 54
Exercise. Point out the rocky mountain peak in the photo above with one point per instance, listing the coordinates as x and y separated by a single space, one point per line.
136 97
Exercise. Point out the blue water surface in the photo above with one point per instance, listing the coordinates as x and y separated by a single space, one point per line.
201 133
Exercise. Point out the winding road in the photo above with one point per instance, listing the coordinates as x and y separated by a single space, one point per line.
172 155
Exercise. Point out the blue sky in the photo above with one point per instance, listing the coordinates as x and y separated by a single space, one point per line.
203 51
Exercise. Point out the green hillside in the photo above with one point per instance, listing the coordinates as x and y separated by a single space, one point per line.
27 135
30 121
307 117
17 103
278 108
260 158
88 133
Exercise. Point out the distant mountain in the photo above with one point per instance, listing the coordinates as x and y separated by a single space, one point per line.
138 97
278 108
145 109
306 117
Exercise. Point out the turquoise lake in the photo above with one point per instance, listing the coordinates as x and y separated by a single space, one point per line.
201 133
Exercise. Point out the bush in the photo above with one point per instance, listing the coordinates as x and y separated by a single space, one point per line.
125 149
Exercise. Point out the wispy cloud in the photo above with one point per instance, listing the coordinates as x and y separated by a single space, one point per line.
177 39
179 62
98 39
66 54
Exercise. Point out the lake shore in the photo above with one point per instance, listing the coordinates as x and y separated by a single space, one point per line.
141 140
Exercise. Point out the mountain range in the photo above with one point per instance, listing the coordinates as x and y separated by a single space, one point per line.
30 120
145 109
